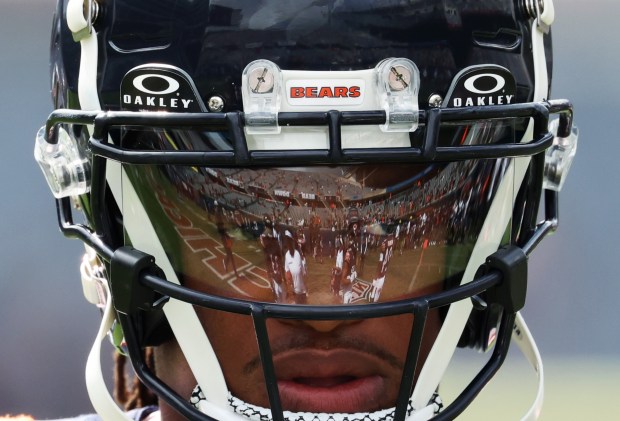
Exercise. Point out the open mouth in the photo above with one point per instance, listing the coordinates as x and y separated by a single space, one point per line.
331 394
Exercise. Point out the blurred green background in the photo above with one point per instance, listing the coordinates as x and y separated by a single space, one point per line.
46 327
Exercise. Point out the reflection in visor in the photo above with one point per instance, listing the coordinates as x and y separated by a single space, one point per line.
318 235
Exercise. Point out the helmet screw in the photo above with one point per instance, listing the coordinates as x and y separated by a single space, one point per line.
399 78
215 104
435 100
261 80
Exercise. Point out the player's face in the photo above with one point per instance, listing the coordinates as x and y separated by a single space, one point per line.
321 366
327 366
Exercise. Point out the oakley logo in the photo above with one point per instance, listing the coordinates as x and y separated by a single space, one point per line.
480 86
148 90
159 87
170 84
470 84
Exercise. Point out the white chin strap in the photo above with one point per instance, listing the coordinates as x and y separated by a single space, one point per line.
97 292
524 339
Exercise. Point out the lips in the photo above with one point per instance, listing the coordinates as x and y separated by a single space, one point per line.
324 381
334 381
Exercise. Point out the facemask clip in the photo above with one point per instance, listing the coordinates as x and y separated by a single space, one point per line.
261 82
398 84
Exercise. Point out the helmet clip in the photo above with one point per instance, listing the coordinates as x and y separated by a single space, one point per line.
398 84
261 82
129 295
81 14
65 166
541 10
511 261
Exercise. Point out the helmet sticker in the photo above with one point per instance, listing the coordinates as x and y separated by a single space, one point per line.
325 92
158 87
480 86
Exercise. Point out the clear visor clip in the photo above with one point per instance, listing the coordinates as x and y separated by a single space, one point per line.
398 84
66 168
261 82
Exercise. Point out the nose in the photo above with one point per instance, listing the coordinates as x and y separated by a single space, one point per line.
323 326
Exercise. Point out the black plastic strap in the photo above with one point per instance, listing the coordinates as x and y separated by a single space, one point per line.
129 294
511 261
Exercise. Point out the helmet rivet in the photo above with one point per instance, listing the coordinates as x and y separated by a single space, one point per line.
215 104
399 78
260 80
435 100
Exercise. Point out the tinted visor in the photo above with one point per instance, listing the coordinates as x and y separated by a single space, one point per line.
318 235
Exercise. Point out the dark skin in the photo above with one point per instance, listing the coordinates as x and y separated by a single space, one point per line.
321 366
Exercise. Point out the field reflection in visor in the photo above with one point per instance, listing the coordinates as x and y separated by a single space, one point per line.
319 235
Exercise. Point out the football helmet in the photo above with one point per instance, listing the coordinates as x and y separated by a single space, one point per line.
315 160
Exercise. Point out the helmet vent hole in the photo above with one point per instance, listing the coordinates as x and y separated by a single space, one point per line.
504 39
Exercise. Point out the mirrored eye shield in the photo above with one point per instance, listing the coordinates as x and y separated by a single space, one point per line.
430 121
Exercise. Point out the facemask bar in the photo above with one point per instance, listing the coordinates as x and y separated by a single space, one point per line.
428 152
445 298
418 307
505 282
241 156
